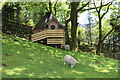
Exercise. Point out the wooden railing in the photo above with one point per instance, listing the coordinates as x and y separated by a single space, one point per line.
47 34
38 36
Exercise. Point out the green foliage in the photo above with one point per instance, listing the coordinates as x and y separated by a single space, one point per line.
81 33
10 12
106 27
32 10
31 23
63 11
24 59
114 21
24 11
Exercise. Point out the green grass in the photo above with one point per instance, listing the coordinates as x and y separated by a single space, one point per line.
24 59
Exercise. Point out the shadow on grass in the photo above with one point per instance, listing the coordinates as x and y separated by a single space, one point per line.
33 60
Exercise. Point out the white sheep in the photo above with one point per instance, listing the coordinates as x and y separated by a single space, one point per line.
65 47
70 60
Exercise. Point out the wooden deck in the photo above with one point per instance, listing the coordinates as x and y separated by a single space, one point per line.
56 35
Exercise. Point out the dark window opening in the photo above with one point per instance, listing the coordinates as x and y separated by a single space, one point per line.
52 27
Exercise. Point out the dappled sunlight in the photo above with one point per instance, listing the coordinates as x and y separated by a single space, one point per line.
30 74
109 67
51 51
82 56
26 45
45 49
77 72
16 43
31 54
51 76
104 71
18 52
94 66
0 69
45 75
59 53
41 61
58 77
14 71
55 72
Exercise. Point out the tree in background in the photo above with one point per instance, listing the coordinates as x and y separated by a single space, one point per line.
30 13
100 17
74 23
89 27
22 12
73 18
11 11
115 23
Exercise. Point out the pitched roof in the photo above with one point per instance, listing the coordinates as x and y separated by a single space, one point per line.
45 20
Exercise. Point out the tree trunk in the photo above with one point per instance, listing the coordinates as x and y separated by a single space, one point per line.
114 43
55 9
90 36
74 43
100 24
109 41
66 33
100 37
79 33
50 7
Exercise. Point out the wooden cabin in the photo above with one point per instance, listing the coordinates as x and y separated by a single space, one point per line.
49 30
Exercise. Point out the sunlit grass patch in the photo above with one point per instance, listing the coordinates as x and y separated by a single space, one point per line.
24 59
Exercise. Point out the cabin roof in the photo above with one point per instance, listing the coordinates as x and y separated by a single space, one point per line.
48 17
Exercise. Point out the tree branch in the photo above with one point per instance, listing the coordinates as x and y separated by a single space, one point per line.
101 3
83 7
106 10
55 8
68 20
94 7
118 17
50 7
107 34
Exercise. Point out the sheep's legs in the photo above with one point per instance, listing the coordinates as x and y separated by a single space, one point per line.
64 63
72 66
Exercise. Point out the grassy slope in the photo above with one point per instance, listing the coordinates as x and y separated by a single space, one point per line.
24 59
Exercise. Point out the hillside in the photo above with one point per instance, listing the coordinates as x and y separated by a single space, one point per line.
25 59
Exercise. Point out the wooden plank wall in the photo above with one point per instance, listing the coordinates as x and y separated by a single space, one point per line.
47 34
56 41
38 36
